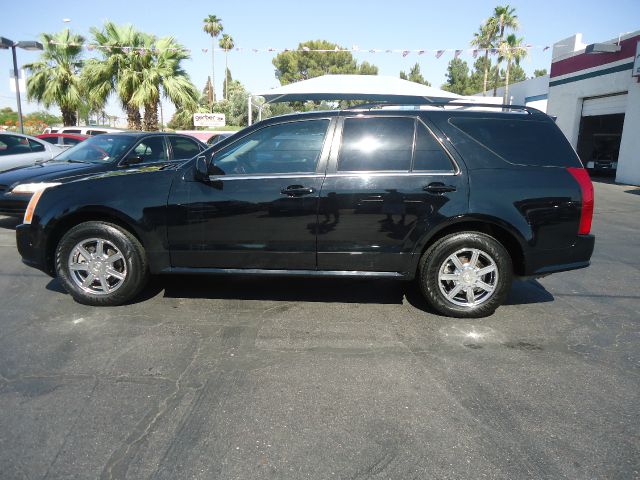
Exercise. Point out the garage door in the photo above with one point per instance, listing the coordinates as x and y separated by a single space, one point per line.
604 105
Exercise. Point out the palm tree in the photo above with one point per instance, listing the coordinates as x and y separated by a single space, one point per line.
213 26
512 51
163 76
55 78
505 17
485 38
226 43
122 49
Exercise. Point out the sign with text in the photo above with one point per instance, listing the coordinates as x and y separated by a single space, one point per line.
209 120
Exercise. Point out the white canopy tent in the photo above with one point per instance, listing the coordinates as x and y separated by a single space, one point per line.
374 88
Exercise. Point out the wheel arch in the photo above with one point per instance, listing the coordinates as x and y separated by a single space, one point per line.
503 232
98 214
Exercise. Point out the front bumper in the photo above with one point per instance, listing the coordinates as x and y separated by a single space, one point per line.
14 205
32 247
543 262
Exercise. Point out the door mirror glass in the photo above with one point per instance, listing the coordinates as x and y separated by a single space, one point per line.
132 159
202 168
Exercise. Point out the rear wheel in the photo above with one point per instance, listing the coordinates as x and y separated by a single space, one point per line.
101 264
466 275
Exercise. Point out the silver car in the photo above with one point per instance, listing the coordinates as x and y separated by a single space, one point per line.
18 150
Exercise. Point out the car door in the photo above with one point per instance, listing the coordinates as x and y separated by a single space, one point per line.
390 181
259 208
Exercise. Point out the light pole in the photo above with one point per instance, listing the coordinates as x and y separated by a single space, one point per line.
5 43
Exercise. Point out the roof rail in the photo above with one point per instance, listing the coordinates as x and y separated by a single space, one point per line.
444 104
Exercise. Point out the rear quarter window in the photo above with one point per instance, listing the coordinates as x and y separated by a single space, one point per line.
518 141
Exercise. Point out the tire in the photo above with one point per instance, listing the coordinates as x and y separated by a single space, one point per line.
113 256
445 283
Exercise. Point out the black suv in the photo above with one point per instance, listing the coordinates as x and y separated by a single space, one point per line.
461 199
98 154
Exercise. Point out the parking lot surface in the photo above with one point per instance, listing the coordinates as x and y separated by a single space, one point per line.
235 378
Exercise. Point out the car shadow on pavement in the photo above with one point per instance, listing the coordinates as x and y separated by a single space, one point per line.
634 191
10 223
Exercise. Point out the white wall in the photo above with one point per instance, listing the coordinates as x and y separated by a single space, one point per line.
629 159
520 91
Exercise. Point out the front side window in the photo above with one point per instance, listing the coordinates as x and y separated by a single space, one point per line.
151 150
376 144
35 146
183 148
292 147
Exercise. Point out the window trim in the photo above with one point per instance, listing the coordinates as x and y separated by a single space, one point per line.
321 164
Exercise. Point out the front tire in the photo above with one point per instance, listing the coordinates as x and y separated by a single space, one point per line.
101 264
466 275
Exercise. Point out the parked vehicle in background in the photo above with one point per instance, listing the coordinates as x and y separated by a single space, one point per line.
87 130
63 140
218 137
19 150
459 200
96 155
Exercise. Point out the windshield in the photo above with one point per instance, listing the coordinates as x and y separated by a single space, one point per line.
99 149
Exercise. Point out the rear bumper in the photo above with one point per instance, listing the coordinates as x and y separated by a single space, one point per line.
32 247
552 261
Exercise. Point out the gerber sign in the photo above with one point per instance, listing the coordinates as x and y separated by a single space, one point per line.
636 63
209 120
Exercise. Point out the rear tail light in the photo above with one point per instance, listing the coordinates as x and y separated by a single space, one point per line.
586 189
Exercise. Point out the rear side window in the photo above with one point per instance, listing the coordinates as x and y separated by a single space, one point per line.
70 141
93 132
183 148
376 144
36 147
429 155
516 141
70 131
53 140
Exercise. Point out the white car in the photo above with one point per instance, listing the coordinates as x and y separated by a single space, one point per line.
18 150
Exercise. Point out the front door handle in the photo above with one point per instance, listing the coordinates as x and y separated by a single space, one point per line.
438 187
296 191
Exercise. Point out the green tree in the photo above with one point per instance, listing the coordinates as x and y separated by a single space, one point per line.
512 51
485 39
213 27
119 68
162 75
227 80
457 77
539 73
55 77
505 17
226 43
299 65
415 75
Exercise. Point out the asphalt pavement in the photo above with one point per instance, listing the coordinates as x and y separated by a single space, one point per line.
231 378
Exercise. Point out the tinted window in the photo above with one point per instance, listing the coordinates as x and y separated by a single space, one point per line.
376 144
35 146
285 148
183 147
53 140
151 150
524 142
13 145
429 155
70 141
70 131
91 132
99 149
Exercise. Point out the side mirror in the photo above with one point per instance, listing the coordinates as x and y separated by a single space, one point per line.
202 168
132 159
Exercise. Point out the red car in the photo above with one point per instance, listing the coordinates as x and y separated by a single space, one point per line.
63 140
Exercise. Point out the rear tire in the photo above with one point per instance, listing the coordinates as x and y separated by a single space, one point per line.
101 264
466 275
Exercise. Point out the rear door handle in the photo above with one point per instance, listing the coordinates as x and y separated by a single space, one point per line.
439 187
296 191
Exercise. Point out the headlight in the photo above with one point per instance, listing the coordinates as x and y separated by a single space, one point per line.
32 187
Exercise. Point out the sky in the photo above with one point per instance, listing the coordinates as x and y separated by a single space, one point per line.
372 24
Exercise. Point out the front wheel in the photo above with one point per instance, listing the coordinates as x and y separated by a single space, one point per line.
101 264
466 275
